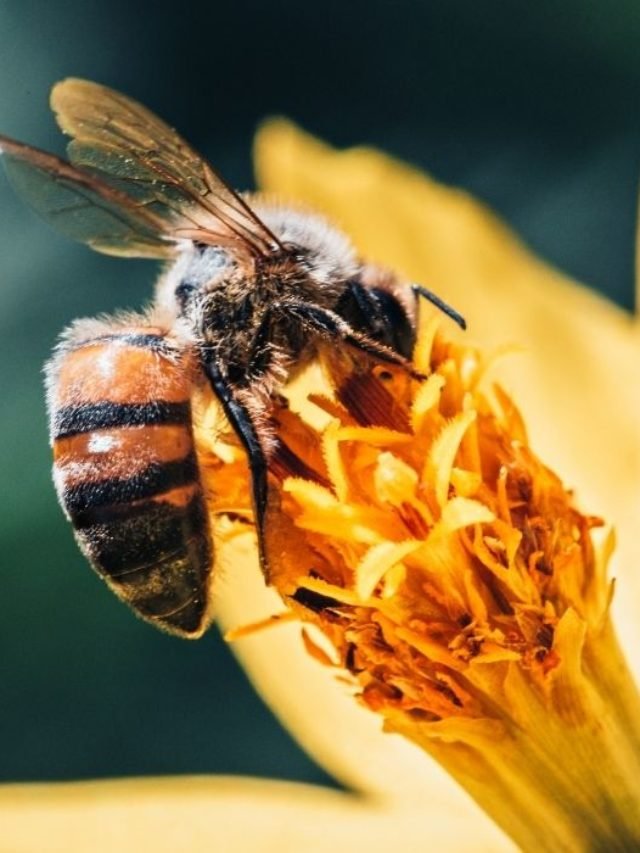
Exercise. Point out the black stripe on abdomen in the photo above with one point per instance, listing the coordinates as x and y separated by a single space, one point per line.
72 420
157 558
155 530
83 498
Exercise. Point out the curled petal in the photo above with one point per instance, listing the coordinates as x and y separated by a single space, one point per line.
233 815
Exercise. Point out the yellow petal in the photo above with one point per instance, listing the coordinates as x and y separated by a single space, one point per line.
379 560
461 512
439 462
230 815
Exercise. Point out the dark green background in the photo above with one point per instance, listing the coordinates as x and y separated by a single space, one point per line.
532 106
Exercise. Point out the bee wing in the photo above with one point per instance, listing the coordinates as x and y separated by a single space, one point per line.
81 206
136 152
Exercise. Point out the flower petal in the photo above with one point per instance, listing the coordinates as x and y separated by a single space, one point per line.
229 814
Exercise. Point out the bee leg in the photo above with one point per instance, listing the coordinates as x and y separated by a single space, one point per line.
261 353
242 423
329 325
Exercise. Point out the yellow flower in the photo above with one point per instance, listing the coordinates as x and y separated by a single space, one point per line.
540 617
550 593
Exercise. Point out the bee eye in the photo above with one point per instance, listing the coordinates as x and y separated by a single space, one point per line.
183 292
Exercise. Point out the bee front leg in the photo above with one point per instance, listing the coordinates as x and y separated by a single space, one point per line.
329 325
377 311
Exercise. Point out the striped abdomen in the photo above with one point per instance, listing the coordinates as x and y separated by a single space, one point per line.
126 472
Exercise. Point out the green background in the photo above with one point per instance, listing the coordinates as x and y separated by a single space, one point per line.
531 106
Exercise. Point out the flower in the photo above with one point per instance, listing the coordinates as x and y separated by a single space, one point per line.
458 587
448 241
508 297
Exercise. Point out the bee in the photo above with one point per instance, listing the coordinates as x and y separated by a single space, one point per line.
251 293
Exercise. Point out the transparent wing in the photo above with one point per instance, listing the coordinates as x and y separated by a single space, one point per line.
137 153
82 207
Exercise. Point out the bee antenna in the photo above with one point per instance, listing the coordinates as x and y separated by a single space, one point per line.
439 303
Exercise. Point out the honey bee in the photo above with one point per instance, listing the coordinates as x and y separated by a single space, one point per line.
251 293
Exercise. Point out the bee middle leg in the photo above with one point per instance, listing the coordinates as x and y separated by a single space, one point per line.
242 423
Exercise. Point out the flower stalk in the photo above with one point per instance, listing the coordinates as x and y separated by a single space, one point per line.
463 595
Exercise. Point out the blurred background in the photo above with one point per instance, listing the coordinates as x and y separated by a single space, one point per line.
531 106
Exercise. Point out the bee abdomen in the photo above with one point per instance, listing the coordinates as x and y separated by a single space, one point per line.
126 472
